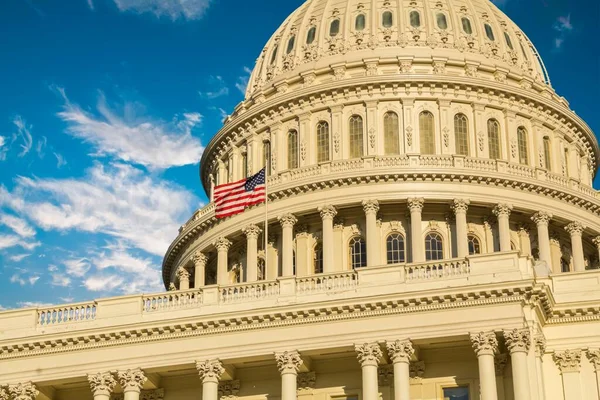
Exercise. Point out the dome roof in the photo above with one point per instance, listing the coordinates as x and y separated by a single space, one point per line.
323 33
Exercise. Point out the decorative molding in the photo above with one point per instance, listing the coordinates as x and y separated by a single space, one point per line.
575 228
306 380
518 340
400 350
327 211
368 353
594 357
502 210
288 362
416 204
500 361
251 231
540 344
568 360
484 343
287 220
370 206
23 391
416 370
541 218
132 380
460 206
210 370
102 383
229 389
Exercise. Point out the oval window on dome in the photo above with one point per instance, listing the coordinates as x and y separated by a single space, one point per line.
508 41
387 19
310 36
466 25
415 19
274 55
334 28
360 22
442 22
290 45
489 32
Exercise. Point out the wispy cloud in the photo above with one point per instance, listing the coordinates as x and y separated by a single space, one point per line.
18 225
19 257
8 241
24 134
33 304
103 283
18 278
3 148
564 27
90 4
77 267
60 160
138 140
173 9
40 147
220 88
242 81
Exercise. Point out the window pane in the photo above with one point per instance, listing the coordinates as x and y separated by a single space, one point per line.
358 253
274 55
395 249
433 247
547 154
334 29
292 149
322 141
442 23
355 132
290 45
508 41
466 25
522 144
474 245
387 19
461 134
458 393
494 138
426 133
310 36
391 133
489 32
415 19
360 22
319 259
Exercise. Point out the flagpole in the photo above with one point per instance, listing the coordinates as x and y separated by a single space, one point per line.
267 208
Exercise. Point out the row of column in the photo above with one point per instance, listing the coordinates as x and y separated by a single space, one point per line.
371 207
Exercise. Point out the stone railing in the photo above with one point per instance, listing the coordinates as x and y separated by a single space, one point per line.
172 300
67 314
437 269
327 282
248 291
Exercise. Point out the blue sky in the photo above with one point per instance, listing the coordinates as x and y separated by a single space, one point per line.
106 105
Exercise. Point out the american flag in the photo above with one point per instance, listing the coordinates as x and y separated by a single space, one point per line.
233 198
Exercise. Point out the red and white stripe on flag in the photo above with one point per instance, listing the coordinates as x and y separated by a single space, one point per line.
233 198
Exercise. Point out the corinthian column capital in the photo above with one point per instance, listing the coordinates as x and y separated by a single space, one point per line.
400 350
287 220
460 206
575 228
288 362
594 357
540 344
102 383
182 274
484 343
416 204
199 259
327 211
23 391
518 340
132 380
502 210
368 353
222 244
596 241
210 370
568 360
370 206
252 231
3 394
541 218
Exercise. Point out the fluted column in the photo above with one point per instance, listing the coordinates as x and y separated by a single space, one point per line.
594 357
252 232
222 244
210 372
371 207
102 385
328 212
415 205
596 241
288 363
524 240
575 229
485 345
400 351
23 391
132 382
540 349
502 212
569 364
287 224
369 355
542 219
518 342
199 259
460 207
184 278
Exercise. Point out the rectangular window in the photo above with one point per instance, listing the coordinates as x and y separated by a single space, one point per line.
456 393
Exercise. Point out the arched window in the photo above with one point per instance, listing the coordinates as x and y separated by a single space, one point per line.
564 265
415 19
262 271
434 247
360 22
387 19
522 144
566 162
274 55
355 132
318 259
508 41
322 141
292 149
461 134
426 133
466 25
442 22
474 245
396 252
391 133
489 32
547 153
290 45
358 252
310 36
494 139
334 28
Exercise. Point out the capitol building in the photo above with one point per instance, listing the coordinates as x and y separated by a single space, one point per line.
432 233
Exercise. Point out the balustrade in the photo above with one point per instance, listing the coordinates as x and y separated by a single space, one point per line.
326 282
437 270
67 314
250 291
172 300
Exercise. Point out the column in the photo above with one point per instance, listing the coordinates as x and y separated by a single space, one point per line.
569 364
210 372
542 219
251 232
500 361
287 222
415 205
304 254
371 207
524 240
132 382
401 352
518 342
23 391
328 212
184 278
596 241
102 385
555 252
288 363
485 345
222 244
199 259
338 244
594 357
369 355
575 229
460 207
540 349
502 212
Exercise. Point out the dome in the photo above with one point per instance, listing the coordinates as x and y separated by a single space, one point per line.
323 33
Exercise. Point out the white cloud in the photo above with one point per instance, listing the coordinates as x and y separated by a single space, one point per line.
139 140
60 160
33 279
17 278
40 147
90 4
23 133
8 241
18 225
220 90
564 27
3 148
33 304
19 257
60 280
67 299
242 81
3 308
173 9
77 267
102 283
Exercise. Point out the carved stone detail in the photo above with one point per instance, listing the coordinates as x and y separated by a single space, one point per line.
222 244
306 380
210 370
416 204
500 363
385 375
132 380
416 370
370 206
252 231
3 394
182 274
287 220
23 391
518 340
502 210
575 228
568 360
400 350
460 205
484 343
541 218
288 362
229 389
102 383
327 211
540 344
594 357
199 259
368 353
